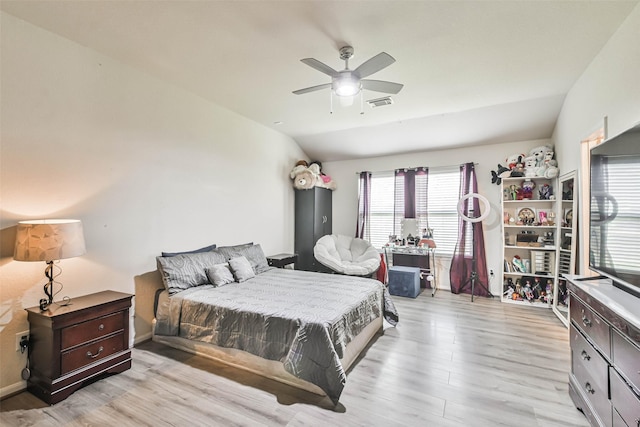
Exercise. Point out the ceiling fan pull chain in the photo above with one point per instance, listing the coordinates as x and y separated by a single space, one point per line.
331 102
361 103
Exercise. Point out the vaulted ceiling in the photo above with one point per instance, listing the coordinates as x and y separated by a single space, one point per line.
474 72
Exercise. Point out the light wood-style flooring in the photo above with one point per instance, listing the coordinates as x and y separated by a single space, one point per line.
449 362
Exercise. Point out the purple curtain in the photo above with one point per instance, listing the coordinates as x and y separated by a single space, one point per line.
470 242
410 197
364 203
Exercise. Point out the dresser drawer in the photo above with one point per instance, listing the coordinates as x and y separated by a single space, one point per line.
626 357
625 401
591 372
592 325
91 330
89 353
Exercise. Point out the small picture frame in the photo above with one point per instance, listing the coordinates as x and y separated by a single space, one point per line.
526 216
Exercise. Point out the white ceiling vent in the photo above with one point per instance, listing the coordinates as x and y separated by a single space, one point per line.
379 102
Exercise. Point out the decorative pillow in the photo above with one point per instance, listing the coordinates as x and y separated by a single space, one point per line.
184 271
241 269
253 253
195 251
219 274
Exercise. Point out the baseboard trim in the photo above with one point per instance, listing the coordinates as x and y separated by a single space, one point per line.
12 389
142 338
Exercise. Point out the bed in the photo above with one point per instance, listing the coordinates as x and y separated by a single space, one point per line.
301 328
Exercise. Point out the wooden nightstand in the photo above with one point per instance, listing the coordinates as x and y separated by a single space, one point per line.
72 344
281 260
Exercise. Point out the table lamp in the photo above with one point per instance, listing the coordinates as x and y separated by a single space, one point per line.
48 240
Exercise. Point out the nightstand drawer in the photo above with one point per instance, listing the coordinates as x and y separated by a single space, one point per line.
89 353
91 330
592 325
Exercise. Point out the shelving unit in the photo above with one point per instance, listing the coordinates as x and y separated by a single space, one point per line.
567 232
530 244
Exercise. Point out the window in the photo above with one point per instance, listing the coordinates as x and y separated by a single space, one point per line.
443 189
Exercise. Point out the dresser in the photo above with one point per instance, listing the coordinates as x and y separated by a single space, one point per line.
605 352
78 342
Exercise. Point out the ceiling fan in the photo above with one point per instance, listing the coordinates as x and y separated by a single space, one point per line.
349 82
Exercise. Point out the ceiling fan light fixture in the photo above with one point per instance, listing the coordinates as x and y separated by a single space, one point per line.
346 85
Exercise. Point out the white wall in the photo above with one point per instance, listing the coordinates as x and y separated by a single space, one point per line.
609 87
146 166
345 209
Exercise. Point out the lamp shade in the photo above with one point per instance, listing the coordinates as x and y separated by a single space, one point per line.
49 239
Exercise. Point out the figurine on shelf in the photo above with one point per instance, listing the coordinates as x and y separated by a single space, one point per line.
528 292
527 189
514 189
544 192
551 218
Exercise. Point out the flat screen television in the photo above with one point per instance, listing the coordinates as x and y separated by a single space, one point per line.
614 220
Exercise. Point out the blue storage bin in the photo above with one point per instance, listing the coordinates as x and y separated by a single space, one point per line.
404 281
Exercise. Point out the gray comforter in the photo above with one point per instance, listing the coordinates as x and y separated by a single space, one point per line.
302 319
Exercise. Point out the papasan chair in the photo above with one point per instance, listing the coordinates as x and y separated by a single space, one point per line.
347 255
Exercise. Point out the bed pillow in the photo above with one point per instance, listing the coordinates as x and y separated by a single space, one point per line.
241 269
253 253
219 274
195 251
184 271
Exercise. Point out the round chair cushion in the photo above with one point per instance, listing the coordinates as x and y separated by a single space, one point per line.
347 255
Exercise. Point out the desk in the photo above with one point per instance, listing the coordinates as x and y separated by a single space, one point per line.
411 256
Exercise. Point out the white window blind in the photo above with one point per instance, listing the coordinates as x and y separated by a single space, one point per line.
444 189
442 199
624 176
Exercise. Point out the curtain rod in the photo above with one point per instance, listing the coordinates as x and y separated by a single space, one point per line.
416 167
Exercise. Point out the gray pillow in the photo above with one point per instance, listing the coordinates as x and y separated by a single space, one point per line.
195 251
241 269
253 253
184 271
219 274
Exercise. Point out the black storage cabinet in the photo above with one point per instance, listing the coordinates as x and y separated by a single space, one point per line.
313 220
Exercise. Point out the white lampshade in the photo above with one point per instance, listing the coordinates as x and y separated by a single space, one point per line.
49 239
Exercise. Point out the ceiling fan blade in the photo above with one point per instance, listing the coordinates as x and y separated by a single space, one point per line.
312 89
375 64
381 86
320 66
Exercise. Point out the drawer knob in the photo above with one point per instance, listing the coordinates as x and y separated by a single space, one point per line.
586 321
101 326
93 356
585 355
588 388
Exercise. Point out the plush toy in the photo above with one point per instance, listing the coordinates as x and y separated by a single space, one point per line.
518 170
326 179
538 153
512 160
549 167
305 177
530 169
501 172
